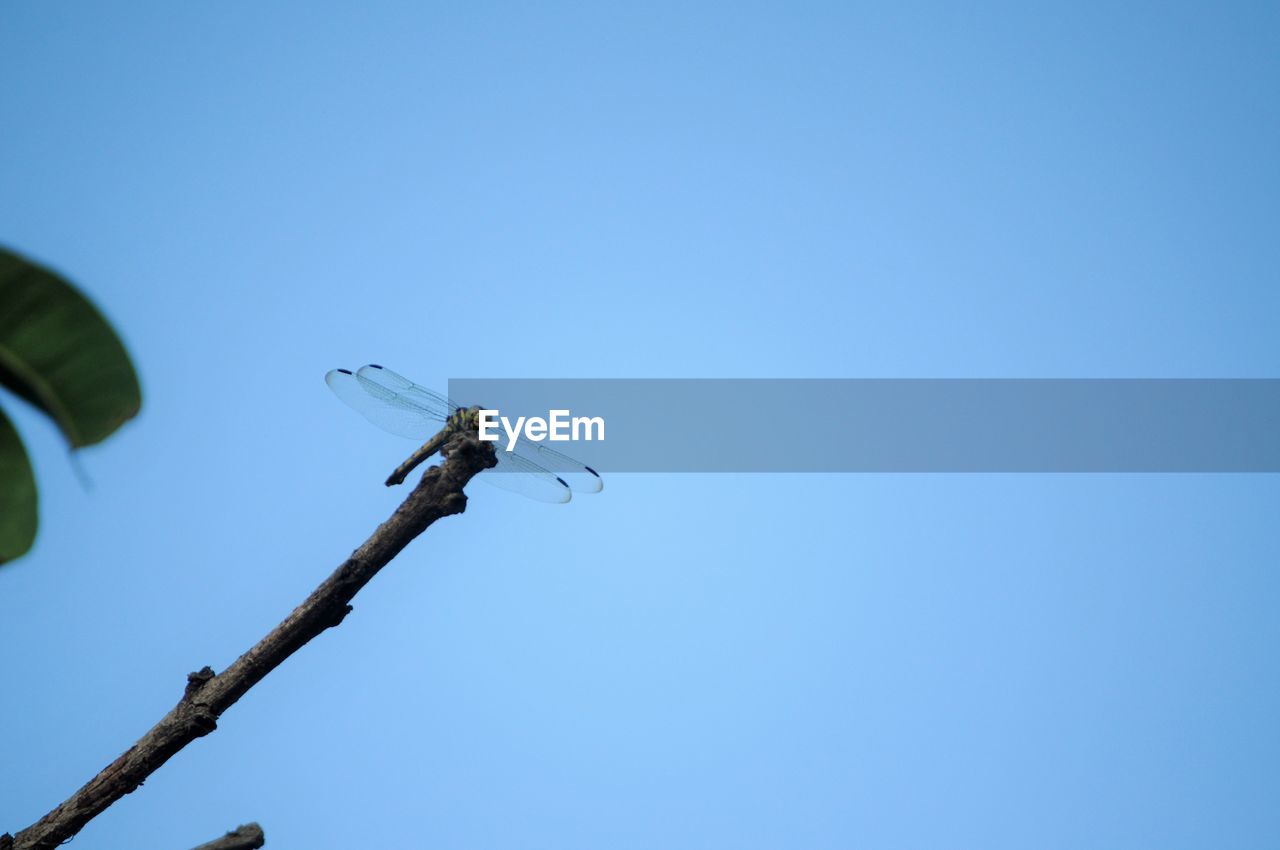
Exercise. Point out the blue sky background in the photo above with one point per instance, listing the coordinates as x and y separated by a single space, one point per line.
257 193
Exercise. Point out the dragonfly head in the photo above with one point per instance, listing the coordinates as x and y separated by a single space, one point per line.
465 419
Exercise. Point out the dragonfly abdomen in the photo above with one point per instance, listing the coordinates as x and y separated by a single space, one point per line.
427 449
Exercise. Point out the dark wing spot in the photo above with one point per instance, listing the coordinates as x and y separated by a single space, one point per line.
592 471
345 371
561 480
374 366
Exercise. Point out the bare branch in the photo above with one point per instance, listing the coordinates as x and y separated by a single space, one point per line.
247 837
208 695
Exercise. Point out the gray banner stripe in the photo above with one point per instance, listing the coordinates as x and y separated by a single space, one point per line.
891 425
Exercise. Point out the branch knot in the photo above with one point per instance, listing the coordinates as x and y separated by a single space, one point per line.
203 720
197 680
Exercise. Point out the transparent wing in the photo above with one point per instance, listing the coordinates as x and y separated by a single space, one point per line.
520 475
396 404
577 475
580 477
392 411
407 389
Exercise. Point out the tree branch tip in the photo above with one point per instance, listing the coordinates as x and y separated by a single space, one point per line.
466 444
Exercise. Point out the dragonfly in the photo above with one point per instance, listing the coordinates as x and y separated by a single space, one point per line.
398 405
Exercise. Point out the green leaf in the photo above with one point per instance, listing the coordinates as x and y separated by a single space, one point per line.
60 354
17 495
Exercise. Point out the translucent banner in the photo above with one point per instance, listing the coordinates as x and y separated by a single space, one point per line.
891 425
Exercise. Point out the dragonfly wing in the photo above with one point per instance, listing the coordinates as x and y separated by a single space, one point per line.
396 404
580 477
405 388
384 407
520 475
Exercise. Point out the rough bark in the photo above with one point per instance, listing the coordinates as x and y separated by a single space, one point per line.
208 694
247 837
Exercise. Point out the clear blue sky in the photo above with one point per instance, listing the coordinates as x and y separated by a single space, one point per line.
256 193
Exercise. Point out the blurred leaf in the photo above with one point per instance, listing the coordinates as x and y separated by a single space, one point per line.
17 495
60 354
